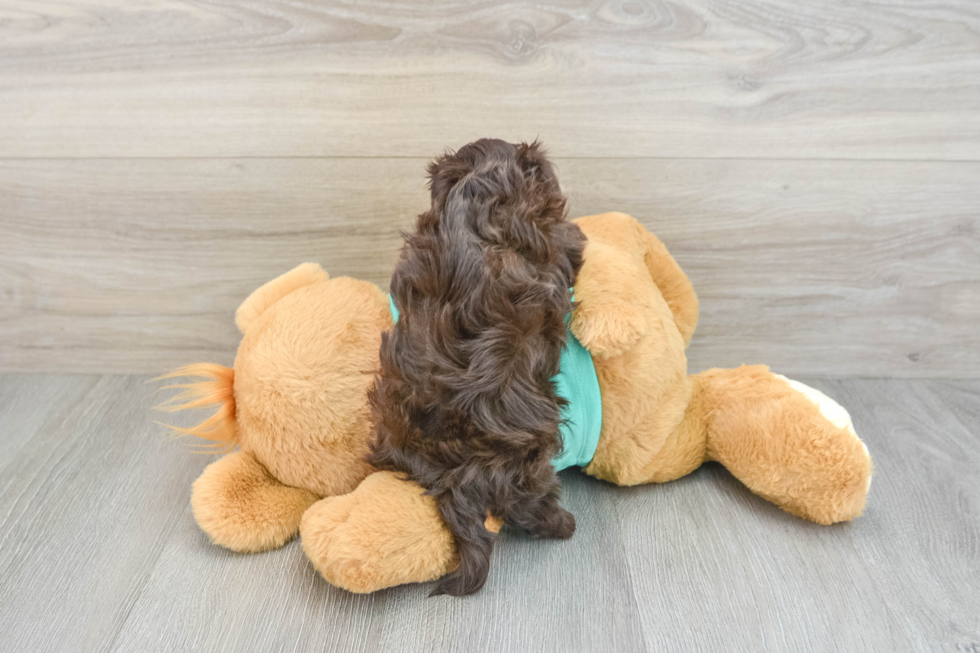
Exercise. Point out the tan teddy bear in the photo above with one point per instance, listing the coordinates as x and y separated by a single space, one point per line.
295 405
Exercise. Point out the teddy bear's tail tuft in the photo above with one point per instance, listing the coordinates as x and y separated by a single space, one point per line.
217 389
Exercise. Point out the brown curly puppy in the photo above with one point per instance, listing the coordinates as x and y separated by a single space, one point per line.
464 404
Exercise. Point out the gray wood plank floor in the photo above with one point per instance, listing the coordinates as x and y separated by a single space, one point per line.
99 550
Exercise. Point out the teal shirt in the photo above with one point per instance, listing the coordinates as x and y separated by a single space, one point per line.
577 383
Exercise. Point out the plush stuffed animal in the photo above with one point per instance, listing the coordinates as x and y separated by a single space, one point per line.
295 405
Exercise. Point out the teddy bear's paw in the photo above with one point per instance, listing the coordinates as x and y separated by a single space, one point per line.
386 532
608 328
239 504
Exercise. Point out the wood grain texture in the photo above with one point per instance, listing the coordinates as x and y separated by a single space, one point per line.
86 507
99 550
629 78
812 165
833 268
759 576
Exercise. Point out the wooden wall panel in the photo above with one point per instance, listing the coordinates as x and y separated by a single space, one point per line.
622 78
813 165
832 268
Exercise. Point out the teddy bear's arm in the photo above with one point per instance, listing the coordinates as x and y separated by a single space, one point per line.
385 533
672 282
242 507
625 266
610 317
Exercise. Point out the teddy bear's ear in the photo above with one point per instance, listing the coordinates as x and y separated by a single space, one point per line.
267 295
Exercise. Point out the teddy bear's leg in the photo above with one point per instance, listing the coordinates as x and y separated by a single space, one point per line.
385 533
786 442
242 507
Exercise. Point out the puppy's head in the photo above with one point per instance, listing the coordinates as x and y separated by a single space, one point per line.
491 167
509 196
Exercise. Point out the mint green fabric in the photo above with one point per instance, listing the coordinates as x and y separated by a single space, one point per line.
577 383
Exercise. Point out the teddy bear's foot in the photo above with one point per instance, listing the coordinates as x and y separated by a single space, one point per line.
830 409
242 507
786 441
385 533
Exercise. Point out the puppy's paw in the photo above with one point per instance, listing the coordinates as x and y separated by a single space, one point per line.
608 328
560 524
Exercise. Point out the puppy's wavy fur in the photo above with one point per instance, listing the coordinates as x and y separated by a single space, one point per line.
464 404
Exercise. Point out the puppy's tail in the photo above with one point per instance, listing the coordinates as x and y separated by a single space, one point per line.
217 389
474 544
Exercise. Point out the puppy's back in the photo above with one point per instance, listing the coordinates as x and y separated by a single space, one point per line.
464 402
